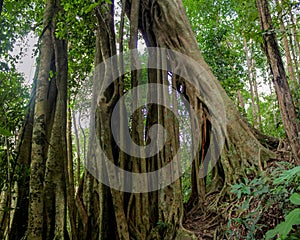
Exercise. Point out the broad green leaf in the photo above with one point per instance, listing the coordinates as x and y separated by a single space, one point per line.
293 218
295 198
270 234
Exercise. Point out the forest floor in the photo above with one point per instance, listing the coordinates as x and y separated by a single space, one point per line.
212 224
205 224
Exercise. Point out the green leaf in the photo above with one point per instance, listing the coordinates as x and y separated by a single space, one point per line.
295 198
287 176
270 234
92 7
9 6
293 218
5 132
67 6
261 191
246 190
239 195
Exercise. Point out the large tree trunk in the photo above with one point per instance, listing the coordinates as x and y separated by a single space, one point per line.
96 198
47 196
134 217
55 179
39 138
163 24
286 105
24 151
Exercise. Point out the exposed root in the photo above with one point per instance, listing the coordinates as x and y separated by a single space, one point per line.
210 221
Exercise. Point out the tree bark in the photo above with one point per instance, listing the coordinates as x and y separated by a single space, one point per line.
96 197
290 68
162 24
294 30
47 203
256 94
55 179
20 217
69 173
24 151
83 134
286 105
77 142
250 80
39 138
295 60
241 101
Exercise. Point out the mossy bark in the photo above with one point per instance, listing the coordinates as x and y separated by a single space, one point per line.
39 137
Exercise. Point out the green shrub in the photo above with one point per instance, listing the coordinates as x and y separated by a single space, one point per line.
263 202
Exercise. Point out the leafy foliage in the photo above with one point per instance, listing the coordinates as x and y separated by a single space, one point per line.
263 201
220 28
293 217
14 97
17 19
213 24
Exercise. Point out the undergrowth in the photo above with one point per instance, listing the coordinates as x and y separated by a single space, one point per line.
267 207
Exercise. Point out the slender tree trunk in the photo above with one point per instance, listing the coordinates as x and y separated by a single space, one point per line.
70 180
39 138
271 87
257 105
294 30
4 205
290 68
23 150
77 142
297 44
138 211
295 60
241 101
250 80
108 49
9 187
96 197
282 89
83 134
83 224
